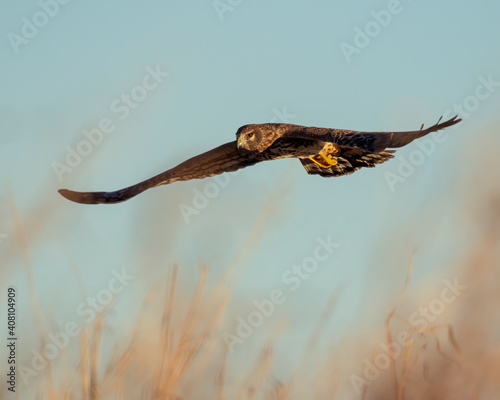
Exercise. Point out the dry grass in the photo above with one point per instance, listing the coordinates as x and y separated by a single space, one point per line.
175 348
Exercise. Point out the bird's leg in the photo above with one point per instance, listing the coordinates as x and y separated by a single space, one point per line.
325 157
328 157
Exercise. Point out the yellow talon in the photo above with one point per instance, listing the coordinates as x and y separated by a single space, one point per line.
328 158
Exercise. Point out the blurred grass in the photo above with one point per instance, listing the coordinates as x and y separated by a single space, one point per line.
175 348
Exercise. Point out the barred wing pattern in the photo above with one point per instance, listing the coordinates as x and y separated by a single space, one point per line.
373 142
349 160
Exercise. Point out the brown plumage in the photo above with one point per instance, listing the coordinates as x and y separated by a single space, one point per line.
322 151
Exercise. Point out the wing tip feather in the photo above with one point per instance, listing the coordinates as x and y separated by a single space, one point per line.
80 197
441 125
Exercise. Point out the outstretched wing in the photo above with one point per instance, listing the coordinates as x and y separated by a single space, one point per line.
378 141
225 158
373 142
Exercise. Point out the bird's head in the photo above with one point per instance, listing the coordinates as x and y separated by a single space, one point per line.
254 138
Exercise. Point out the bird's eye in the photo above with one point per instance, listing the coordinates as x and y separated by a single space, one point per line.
251 135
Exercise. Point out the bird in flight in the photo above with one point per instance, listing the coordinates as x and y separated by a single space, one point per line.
322 151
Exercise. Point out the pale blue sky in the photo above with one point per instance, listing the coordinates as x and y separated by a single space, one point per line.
261 57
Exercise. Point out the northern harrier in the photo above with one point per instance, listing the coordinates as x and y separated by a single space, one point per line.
322 151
